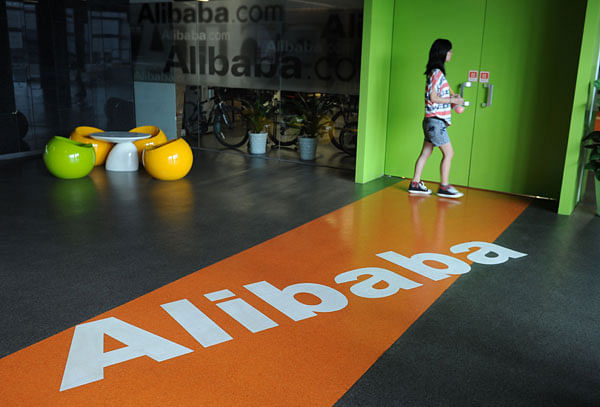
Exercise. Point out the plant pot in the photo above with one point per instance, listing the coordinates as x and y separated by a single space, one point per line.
307 148
597 123
258 143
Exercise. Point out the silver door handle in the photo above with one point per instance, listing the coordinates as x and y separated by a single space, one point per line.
490 95
462 87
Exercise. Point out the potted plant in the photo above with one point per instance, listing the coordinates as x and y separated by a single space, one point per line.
312 121
258 120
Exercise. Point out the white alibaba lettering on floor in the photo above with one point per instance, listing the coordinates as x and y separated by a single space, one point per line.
87 359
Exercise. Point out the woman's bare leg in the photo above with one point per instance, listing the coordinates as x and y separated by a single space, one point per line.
425 153
448 153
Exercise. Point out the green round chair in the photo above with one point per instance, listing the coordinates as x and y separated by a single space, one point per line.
69 159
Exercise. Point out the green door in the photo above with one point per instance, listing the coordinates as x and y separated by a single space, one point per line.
416 25
530 49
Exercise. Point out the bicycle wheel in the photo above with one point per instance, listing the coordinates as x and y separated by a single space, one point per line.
337 129
191 120
284 135
227 126
349 137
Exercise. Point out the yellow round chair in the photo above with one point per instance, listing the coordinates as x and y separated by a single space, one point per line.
157 138
102 148
169 161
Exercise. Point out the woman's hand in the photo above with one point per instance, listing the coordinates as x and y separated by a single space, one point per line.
457 100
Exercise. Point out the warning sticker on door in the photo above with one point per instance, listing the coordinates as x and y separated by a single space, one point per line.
473 76
484 77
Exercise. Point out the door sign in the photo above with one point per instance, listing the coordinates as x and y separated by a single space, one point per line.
484 77
473 76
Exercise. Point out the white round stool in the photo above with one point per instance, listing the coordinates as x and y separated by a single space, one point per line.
123 156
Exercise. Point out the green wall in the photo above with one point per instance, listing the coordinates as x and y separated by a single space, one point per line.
374 89
586 73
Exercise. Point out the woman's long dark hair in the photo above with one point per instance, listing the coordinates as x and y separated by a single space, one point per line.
437 55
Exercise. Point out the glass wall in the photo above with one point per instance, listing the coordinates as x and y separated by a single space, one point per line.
78 62
70 65
296 61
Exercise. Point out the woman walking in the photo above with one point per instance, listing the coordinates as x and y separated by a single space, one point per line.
439 99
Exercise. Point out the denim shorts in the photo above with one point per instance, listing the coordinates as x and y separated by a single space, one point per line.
435 131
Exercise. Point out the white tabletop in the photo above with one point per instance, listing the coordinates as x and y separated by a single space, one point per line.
119 136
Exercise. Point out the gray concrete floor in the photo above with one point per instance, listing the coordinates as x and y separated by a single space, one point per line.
59 238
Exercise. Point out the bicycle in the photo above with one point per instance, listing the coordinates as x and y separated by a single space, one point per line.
225 120
347 110
348 138
287 132
342 136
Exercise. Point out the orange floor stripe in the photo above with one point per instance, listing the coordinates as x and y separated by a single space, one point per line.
310 362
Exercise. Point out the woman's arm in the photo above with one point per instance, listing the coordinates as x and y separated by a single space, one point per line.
436 98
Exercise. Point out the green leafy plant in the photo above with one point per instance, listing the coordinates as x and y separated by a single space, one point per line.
258 115
313 118
592 142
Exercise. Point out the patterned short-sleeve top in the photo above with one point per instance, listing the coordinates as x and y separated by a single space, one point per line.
437 81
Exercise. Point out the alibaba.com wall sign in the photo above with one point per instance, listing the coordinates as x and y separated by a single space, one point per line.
86 360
